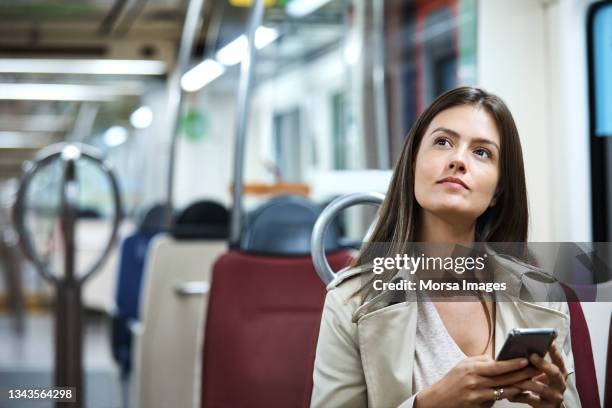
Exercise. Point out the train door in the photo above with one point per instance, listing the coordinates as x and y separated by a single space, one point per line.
599 46
430 48
600 87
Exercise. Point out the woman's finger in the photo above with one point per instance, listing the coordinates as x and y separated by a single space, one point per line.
557 380
542 390
557 358
543 378
510 378
493 368
483 395
526 398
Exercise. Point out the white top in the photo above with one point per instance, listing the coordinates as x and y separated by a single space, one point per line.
435 352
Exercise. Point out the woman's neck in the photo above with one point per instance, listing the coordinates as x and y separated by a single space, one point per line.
436 229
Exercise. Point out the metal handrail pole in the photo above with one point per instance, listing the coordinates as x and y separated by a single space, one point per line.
68 307
242 113
175 94
317 240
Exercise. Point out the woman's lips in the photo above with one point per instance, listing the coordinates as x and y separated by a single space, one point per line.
452 184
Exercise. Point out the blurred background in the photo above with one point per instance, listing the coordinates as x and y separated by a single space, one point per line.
155 87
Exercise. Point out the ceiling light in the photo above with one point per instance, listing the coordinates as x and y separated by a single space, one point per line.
66 92
233 52
301 8
115 136
352 50
82 66
142 117
71 152
200 75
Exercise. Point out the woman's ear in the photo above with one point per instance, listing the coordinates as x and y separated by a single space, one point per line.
495 196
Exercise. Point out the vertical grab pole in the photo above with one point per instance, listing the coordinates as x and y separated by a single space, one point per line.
68 308
69 319
175 94
242 116
378 80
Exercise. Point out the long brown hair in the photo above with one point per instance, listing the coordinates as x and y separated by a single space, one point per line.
399 216
506 221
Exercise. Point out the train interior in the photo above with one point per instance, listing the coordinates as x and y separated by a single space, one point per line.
163 164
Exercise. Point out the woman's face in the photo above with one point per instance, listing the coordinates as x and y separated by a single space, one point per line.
461 143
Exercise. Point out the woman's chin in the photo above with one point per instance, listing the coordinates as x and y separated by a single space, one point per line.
454 212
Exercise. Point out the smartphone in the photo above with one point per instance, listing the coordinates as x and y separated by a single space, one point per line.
524 342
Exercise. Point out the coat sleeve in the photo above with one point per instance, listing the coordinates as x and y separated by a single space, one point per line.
571 399
338 378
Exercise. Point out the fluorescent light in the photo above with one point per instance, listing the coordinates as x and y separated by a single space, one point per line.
200 75
115 136
142 117
66 92
26 140
301 8
352 50
39 122
264 36
233 52
82 66
71 152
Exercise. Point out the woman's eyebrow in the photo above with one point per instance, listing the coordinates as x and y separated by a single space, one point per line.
458 136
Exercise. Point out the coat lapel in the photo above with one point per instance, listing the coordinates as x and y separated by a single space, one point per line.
525 282
386 342
519 314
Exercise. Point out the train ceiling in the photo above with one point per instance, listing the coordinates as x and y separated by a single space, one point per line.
143 30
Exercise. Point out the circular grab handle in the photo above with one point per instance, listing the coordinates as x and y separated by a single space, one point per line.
317 240
69 153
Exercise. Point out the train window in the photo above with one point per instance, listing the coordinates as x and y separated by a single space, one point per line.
287 151
304 87
339 130
599 33
602 66
430 48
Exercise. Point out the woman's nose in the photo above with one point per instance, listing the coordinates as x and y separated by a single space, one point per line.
457 165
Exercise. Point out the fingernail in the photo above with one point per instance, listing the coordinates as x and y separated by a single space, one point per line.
534 357
523 362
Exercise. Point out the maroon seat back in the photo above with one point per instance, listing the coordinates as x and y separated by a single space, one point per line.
584 365
261 330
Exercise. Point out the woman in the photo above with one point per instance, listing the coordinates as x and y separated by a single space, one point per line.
460 179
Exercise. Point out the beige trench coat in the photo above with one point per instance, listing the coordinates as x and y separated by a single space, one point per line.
365 353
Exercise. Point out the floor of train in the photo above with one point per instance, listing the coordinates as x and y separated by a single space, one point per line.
26 360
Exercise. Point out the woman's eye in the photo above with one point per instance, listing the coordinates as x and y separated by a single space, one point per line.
483 153
442 141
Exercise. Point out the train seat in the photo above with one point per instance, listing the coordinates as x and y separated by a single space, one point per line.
264 311
584 365
173 306
133 252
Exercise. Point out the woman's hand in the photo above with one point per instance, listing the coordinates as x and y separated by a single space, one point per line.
547 388
472 383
